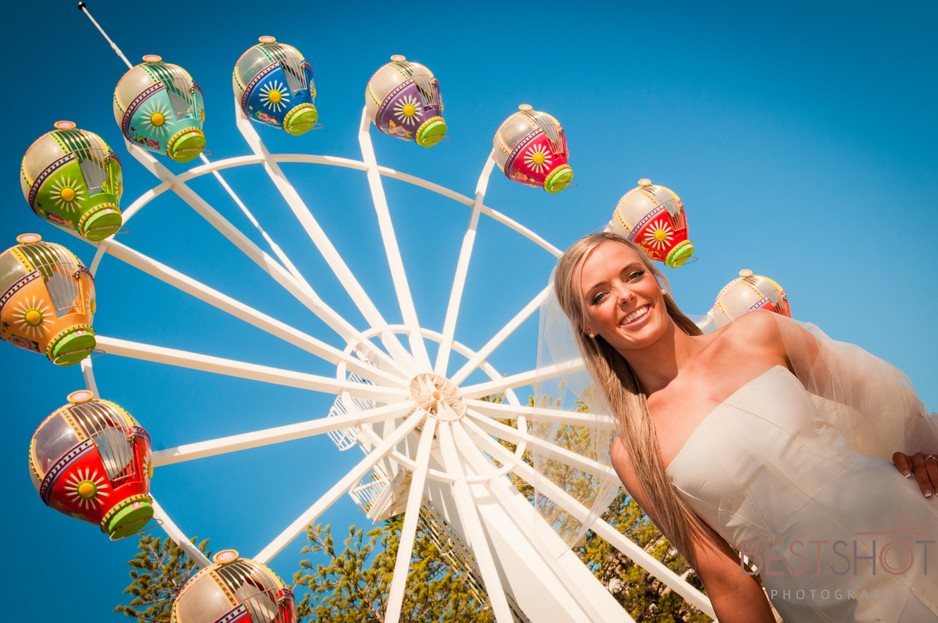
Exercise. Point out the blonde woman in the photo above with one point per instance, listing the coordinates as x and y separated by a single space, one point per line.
810 457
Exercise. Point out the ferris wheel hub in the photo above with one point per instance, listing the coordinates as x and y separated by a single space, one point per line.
437 396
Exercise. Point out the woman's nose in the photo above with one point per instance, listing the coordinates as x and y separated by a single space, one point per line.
623 292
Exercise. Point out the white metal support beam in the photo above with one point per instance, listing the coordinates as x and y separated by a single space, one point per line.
405 547
241 369
301 290
329 498
319 238
540 414
547 448
247 314
177 535
520 380
287 263
582 514
462 269
398 276
497 339
473 527
531 544
279 434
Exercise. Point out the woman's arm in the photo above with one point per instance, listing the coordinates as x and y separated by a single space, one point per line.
735 594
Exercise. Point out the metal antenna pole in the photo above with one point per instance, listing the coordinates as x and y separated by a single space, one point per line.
84 9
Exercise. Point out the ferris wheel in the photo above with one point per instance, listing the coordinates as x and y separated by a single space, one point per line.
415 400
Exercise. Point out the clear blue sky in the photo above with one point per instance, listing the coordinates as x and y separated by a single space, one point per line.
799 135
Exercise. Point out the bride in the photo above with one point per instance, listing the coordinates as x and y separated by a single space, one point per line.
763 438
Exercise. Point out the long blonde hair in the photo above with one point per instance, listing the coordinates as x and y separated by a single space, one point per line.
625 393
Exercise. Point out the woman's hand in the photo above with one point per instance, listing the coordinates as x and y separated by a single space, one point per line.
923 467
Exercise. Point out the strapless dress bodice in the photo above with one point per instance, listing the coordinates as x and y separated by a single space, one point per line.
836 535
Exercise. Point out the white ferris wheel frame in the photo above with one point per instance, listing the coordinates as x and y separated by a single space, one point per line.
517 553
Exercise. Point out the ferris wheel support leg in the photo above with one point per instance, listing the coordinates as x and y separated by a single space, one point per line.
405 548
462 268
547 579
483 353
318 236
177 535
391 249
472 525
338 489
602 528
301 290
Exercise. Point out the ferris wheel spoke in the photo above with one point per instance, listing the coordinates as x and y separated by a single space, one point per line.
405 546
319 238
177 535
301 290
391 248
413 180
591 521
495 215
244 370
462 268
483 353
541 414
284 260
279 434
247 314
339 488
469 517
521 379
546 448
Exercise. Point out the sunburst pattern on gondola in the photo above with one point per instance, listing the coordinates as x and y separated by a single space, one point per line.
275 95
658 235
86 488
405 110
155 116
538 159
30 316
67 193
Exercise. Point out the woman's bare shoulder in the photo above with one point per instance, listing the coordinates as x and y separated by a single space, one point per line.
757 330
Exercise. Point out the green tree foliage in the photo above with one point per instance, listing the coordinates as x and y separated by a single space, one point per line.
352 585
157 572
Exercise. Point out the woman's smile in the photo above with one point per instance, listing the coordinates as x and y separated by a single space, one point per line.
636 316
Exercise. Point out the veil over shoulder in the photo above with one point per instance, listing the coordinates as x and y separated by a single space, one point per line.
869 401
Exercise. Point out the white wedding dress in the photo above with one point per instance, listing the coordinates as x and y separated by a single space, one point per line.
836 534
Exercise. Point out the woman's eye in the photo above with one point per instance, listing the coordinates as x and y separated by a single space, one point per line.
637 275
598 298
